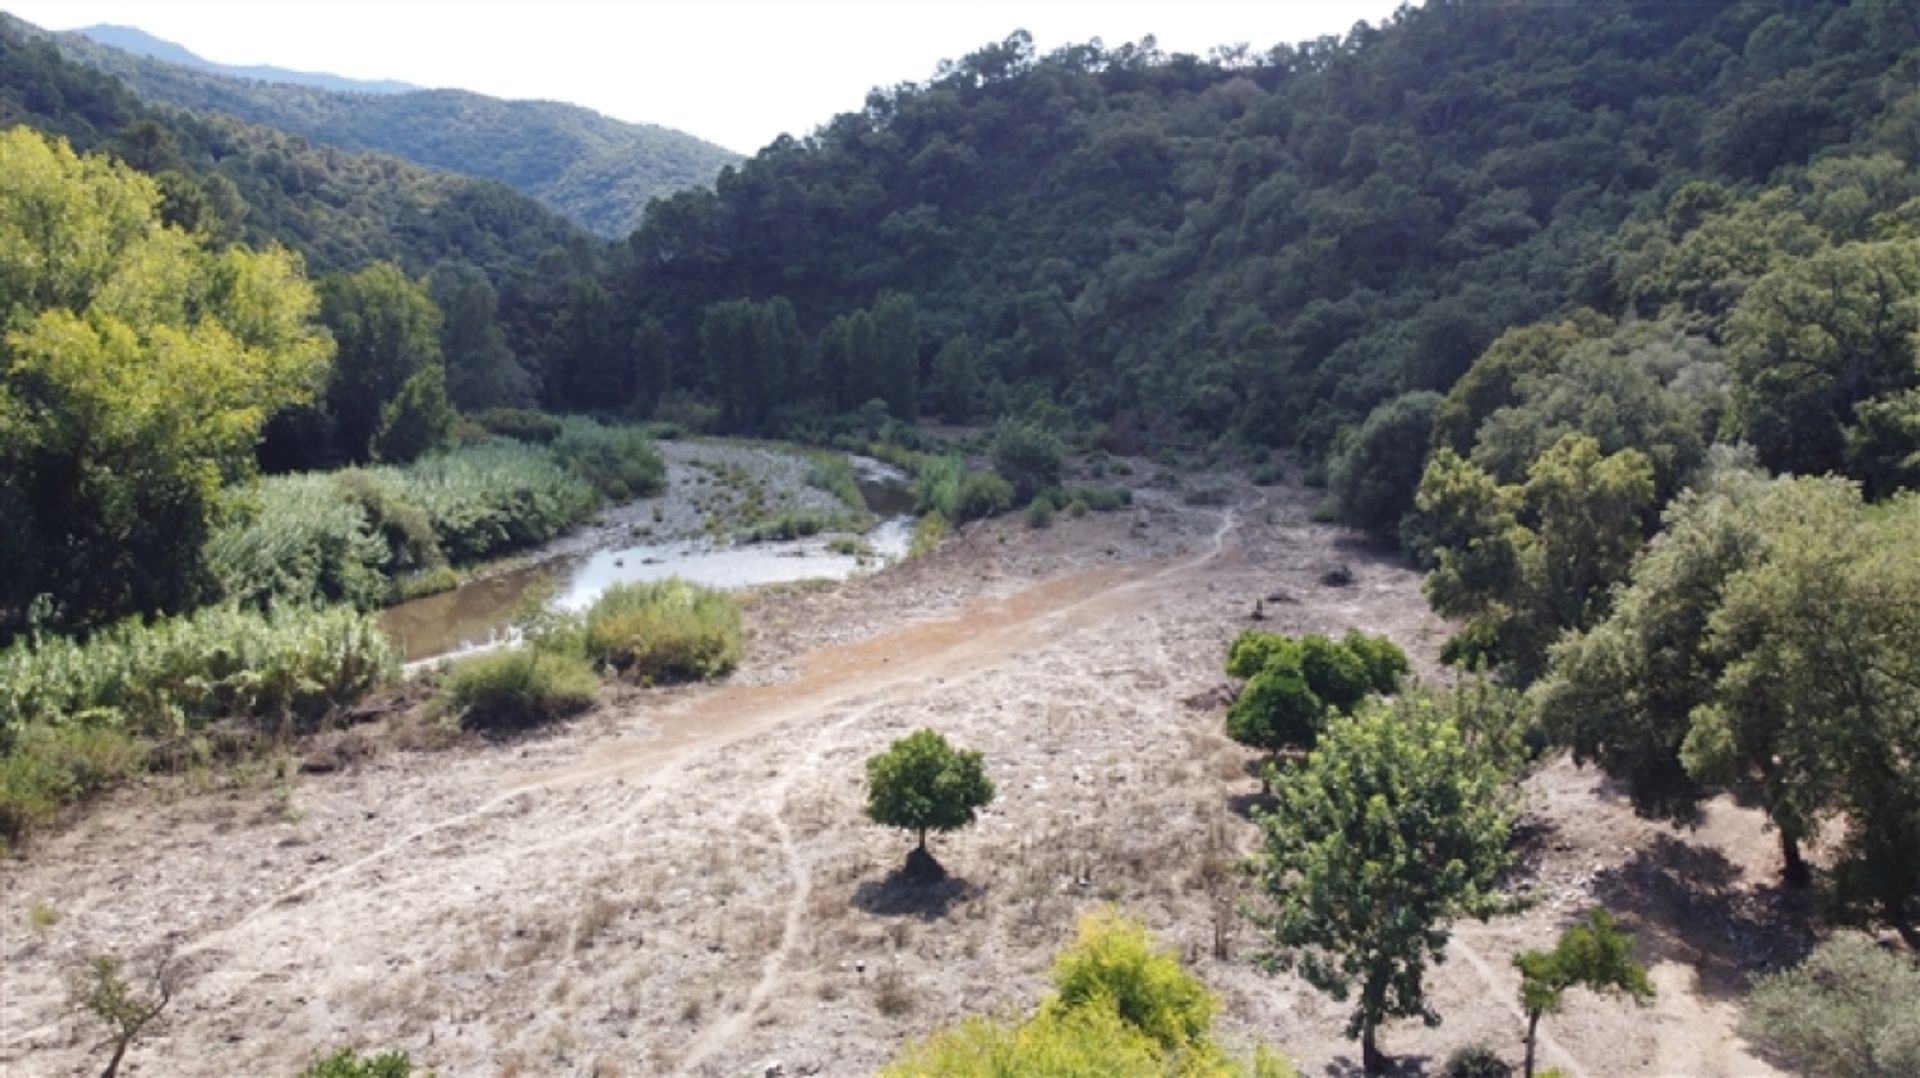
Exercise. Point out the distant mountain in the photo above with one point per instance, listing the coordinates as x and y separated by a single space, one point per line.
594 169
140 43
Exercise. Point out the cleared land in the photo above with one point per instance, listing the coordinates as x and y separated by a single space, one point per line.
683 882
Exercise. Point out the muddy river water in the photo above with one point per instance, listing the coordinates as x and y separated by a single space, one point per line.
481 613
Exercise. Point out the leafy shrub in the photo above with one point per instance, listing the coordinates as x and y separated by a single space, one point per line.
833 473
1476 1061
1077 508
927 534
620 462
1211 494
1268 473
346 1063
1102 499
1027 456
520 424
1295 685
1847 1011
49 767
1373 476
665 630
982 494
792 524
520 688
1040 513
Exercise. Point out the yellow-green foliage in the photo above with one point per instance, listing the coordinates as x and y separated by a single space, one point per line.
1121 1008
74 716
833 472
520 687
927 534
139 368
666 630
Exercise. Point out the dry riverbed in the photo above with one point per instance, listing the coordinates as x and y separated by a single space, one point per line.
682 882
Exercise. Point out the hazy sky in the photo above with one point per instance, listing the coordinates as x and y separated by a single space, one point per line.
737 72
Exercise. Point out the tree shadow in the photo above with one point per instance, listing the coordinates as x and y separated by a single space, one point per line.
1686 904
919 888
1404 1065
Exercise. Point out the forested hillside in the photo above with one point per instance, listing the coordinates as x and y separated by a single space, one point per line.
598 171
1266 246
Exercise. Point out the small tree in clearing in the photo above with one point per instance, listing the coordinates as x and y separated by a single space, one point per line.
103 993
923 784
1392 828
1595 954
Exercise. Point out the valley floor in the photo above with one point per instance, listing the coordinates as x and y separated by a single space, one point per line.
682 882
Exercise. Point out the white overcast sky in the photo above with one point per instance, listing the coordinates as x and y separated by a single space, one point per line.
736 72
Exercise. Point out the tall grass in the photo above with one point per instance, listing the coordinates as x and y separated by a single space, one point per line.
833 473
75 716
620 462
945 486
666 630
345 536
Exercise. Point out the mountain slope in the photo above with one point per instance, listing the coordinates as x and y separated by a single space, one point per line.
341 211
1267 246
596 170
140 43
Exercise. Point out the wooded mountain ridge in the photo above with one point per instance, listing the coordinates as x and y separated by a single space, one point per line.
593 169
134 40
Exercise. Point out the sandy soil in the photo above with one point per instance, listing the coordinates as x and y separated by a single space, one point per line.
682 882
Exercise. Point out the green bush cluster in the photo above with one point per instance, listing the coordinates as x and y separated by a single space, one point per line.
73 714
946 486
520 688
664 631
620 462
346 1063
1296 685
1101 499
520 424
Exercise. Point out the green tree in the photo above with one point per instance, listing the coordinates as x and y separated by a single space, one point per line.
1374 475
587 367
1523 564
1026 456
137 369
1392 829
1767 642
1595 955
1815 338
102 992
417 421
896 333
481 370
387 330
1846 1012
923 784
959 379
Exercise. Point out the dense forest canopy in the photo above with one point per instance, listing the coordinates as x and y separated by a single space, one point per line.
1270 245
597 171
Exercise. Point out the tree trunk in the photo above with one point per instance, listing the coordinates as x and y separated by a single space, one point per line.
119 1052
1370 1057
1533 1024
1796 873
923 840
